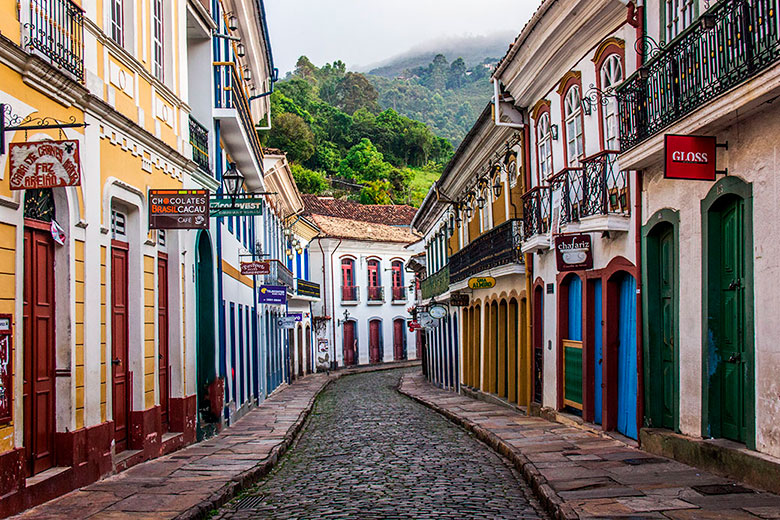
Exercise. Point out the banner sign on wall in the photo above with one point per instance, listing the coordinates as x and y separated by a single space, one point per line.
297 315
244 204
6 366
256 268
286 322
573 252
178 209
482 282
459 300
44 164
690 157
272 294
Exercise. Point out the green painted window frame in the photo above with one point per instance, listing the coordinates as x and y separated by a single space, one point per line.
730 185
671 217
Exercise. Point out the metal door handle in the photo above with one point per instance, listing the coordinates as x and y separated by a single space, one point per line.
735 284
116 362
735 358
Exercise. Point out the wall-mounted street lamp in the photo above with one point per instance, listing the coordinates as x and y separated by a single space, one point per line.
481 201
587 109
232 22
346 318
247 74
554 132
497 187
240 50
232 182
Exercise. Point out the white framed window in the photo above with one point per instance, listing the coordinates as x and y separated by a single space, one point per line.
485 212
544 146
118 224
158 39
678 15
575 141
117 21
611 76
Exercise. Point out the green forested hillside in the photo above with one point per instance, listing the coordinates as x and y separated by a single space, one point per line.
338 138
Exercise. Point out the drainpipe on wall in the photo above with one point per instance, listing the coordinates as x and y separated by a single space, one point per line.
529 273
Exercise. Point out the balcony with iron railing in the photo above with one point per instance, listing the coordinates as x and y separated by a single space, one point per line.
230 94
280 275
436 284
733 42
537 212
350 294
498 247
376 294
399 294
56 32
199 140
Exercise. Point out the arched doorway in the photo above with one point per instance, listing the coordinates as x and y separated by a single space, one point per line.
39 389
205 333
538 361
350 344
571 325
163 358
374 341
626 359
300 351
307 349
121 386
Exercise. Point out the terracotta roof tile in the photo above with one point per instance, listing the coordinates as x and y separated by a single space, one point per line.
391 215
337 227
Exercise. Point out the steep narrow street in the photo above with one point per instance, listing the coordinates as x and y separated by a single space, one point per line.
369 452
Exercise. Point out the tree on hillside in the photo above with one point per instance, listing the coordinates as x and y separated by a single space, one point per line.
376 192
354 91
291 134
457 74
308 181
364 163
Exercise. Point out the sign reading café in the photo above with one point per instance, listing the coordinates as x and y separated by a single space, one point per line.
44 164
178 209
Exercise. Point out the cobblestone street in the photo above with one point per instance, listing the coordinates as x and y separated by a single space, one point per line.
369 452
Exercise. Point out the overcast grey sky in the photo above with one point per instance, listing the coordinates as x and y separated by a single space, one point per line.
363 32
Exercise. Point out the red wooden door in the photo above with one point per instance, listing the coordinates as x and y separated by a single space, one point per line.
348 280
119 349
39 357
349 343
398 339
162 334
373 348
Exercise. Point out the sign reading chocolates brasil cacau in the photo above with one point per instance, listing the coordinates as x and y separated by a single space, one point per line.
573 252
178 209
44 164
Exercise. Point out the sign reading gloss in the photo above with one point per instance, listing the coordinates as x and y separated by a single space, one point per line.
690 157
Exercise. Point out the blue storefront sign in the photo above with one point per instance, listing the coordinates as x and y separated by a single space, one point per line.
297 315
272 294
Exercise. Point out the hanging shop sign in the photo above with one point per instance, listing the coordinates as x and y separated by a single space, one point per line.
178 209
573 252
272 294
482 282
44 164
690 157
426 320
241 205
459 300
286 322
256 268
6 364
297 315
437 311
309 289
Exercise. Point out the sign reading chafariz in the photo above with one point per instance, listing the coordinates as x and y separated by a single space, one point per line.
178 209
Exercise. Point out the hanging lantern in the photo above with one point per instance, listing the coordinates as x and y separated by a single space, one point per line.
232 180
232 22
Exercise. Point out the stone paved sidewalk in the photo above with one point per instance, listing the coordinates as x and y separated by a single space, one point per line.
580 474
191 482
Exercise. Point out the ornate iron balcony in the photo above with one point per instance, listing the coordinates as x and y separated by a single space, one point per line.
230 94
199 139
376 294
280 275
537 208
350 293
56 30
701 64
436 284
604 188
499 246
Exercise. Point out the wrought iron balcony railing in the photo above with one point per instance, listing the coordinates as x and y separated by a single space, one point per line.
230 94
376 294
436 284
537 208
735 41
199 139
307 288
569 182
604 188
499 246
350 293
280 275
56 30
399 294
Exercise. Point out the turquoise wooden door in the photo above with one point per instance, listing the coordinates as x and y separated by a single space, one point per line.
667 315
598 355
572 347
627 366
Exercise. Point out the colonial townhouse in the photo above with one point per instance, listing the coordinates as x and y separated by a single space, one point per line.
698 121
361 256
96 374
476 272
578 218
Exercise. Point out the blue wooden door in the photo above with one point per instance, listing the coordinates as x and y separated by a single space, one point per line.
598 356
627 369
572 348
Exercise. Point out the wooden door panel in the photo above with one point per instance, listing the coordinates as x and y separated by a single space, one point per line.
119 344
162 334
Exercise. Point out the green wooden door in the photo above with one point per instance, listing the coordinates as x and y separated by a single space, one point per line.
731 320
667 316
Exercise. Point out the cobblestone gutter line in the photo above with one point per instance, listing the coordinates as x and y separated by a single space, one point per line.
548 497
247 478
